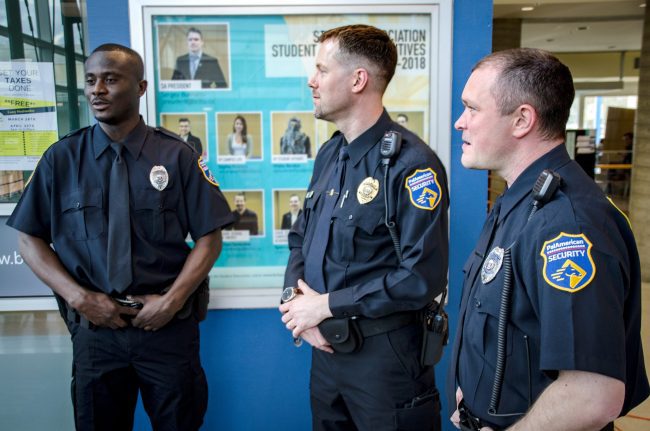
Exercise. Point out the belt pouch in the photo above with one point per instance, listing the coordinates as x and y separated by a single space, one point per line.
201 300
434 336
343 334
197 303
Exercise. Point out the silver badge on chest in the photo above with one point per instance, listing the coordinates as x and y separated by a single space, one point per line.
492 265
159 177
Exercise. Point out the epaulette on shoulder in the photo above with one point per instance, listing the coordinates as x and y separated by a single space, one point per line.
168 133
76 132
172 135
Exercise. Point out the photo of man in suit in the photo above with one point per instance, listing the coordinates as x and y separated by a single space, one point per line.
185 132
197 65
288 219
245 219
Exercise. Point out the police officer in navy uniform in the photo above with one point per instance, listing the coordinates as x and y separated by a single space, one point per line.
343 265
65 219
570 350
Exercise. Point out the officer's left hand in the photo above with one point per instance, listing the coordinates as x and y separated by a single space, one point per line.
306 310
156 312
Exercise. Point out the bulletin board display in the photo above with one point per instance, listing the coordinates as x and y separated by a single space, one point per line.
243 86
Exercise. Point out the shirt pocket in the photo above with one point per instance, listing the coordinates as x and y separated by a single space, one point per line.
488 305
364 224
156 216
82 214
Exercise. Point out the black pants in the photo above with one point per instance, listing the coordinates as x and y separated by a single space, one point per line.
111 366
374 388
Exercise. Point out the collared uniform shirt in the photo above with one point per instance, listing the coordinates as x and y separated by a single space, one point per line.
66 204
575 302
362 272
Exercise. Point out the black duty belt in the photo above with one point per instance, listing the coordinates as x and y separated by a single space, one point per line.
346 335
371 327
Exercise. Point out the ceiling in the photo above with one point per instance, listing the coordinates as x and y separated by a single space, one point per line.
577 25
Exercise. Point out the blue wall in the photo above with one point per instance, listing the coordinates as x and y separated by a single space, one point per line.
257 379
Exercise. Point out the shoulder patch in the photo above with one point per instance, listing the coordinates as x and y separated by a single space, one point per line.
206 172
424 189
568 264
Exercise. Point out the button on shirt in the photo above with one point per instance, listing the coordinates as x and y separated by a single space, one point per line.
595 329
362 272
65 203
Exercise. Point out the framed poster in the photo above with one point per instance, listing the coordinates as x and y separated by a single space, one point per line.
246 67
28 124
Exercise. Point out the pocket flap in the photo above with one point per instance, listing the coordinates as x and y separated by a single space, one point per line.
81 199
146 199
335 331
366 219
311 199
342 334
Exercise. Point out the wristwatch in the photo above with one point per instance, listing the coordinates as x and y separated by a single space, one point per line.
289 293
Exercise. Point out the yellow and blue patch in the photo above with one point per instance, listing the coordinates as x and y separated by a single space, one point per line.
424 189
206 172
568 264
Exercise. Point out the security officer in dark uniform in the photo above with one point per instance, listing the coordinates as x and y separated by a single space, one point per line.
351 291
114 202
549 330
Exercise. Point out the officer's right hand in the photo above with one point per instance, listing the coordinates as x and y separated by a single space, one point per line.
316 339
101 310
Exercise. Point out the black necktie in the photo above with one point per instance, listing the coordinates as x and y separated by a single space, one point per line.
314 261
482 245
119 224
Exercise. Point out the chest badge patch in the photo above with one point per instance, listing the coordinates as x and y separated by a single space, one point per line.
159 177
424 189
492 265
367 190
206 172
568 264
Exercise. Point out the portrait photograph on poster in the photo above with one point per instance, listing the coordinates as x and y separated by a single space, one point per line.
192 127
293 135
287 206
193 56
248 209
239 137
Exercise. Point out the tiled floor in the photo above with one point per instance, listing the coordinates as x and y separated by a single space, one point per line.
639 418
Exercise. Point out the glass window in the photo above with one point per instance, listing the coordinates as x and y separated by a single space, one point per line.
3 15
59 70
596 108
27 14
5 54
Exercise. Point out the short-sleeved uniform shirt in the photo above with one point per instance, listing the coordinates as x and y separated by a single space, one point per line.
575 301
66 204
361 270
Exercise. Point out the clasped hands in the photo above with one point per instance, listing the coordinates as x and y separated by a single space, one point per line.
302 315
101 310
